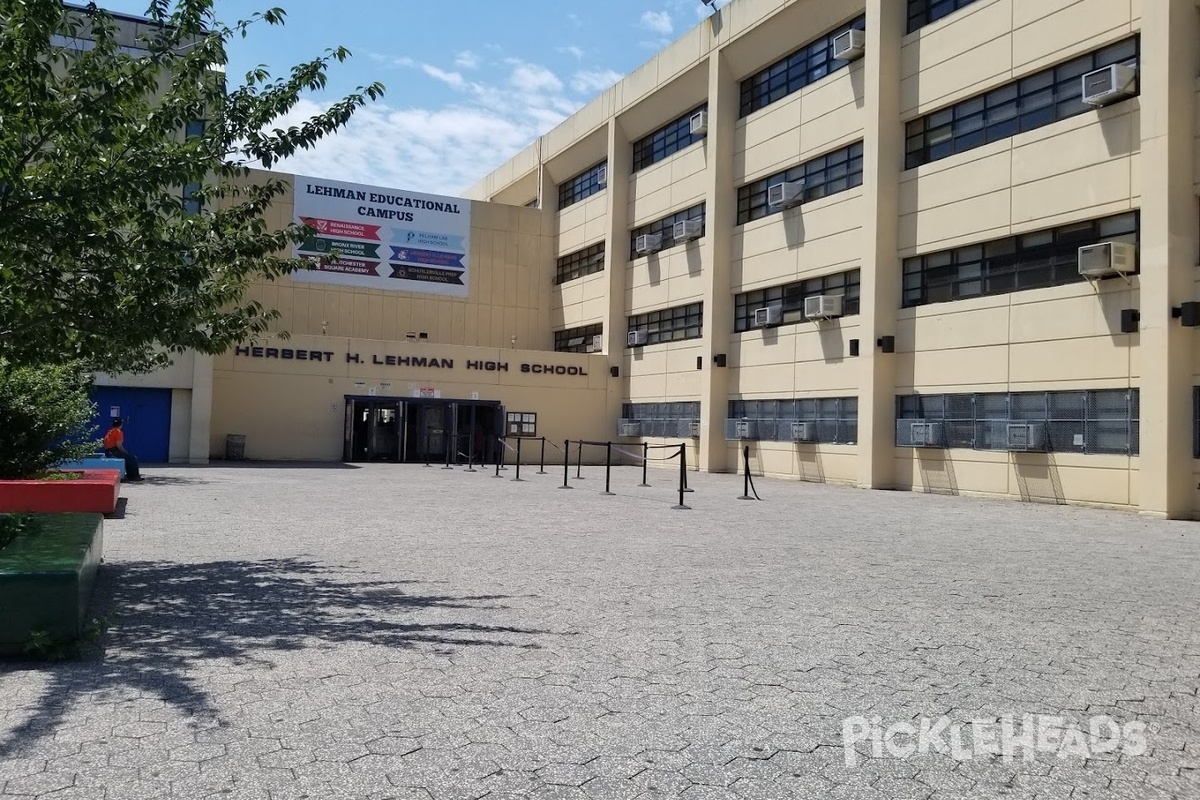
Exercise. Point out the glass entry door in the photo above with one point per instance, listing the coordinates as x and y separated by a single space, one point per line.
373 430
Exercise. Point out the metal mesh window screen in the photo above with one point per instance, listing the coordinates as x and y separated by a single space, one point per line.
663 420
832 420
1096 421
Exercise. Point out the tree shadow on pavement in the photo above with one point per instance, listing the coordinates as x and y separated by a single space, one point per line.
173 616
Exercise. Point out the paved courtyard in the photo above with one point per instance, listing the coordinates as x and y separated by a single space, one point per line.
402 632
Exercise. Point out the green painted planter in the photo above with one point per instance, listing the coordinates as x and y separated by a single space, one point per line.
46 578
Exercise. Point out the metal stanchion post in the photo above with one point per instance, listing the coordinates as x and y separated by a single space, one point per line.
682 474
518 459
471 457
566 464
447 449
426 445
645 465
499 458
686 488
579 462
746 474
607 467
542 460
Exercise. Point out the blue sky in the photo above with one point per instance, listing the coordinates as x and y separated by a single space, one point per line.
469 82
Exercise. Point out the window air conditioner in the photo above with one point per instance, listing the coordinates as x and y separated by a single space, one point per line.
823 306
637 337
698 124
803 432
648 243
687 230
629 427
926 434
1110 84
1025 436
1107 258
769 315
744 428
850 45
785 195
602 176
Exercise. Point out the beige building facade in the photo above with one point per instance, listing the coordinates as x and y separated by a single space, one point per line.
932 245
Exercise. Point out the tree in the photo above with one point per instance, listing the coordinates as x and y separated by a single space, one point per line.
107 150
45 418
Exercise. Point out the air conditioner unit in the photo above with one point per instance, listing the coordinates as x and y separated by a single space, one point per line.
850 45
687 230
769 315
694 429
597 343
926 434
785 195
698 124
1110 84
648 243
823 306
803 432
637 337
602 176
1107 258
743 428
629 427
1024 436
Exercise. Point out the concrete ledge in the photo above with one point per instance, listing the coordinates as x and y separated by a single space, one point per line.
46 578
98 462
96 491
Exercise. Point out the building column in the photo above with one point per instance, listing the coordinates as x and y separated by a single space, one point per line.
720 207
201 411
1169 59
616 260
883 148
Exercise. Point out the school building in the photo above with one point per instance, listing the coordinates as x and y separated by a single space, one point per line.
932 245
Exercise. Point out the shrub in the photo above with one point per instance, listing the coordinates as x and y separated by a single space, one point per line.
45 418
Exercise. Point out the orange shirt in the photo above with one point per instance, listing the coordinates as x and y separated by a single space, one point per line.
114 438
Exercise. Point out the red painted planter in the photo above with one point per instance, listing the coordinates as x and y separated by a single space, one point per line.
96 492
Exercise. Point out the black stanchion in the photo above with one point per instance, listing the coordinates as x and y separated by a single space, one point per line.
645 465
448 449
607 467
426 440
579 462
542 459
685 486
518 477
682 477
499 458
471 458
566 464
746 474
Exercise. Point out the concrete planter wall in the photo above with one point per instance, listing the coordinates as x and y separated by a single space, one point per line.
46 578
96 491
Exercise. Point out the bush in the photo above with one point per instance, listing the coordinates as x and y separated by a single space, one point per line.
45 418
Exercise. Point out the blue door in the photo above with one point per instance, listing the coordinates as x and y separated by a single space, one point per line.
147 415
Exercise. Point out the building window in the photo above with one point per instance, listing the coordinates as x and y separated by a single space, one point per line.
579 340
666 141
831 173
790 297
191 203
532 203
583 185
520 423
1100 421
194 129
792 73
923 12
665 227
832 420
670 324
1030 261
580 263
663 420
1036 101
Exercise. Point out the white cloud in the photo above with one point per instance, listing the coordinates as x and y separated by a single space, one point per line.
466 60
446 149
452 78
658 21
594 81
572 50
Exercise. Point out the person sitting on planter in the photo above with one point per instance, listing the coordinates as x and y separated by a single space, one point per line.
114 447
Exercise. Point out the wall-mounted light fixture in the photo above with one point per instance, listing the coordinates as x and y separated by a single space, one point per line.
886 344
1188 314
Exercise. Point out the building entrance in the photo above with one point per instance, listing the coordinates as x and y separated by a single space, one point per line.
373 429
392 429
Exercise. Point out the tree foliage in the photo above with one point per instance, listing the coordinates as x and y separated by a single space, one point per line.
45 418
103 260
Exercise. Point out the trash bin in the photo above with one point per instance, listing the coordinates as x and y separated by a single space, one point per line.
235 447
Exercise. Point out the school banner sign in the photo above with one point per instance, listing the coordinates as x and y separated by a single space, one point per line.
378 238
